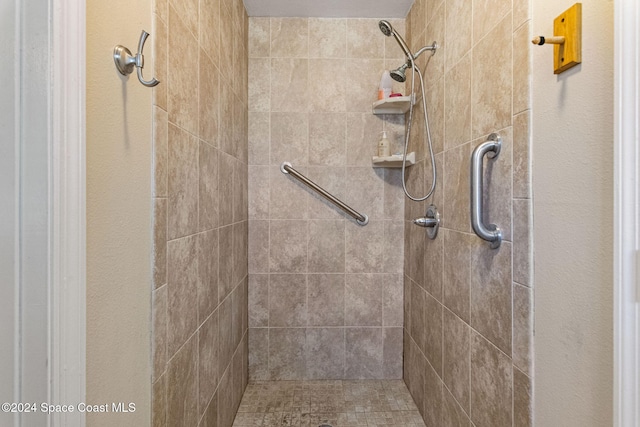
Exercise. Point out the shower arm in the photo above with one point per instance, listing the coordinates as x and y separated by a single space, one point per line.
432 47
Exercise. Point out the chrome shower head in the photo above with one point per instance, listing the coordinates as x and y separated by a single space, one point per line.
399 73
387 30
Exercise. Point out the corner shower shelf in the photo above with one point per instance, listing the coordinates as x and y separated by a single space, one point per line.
395 105
394 161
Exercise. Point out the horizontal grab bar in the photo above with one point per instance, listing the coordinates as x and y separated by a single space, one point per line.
491 147
361 219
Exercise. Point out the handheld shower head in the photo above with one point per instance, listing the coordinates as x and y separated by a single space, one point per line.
385 27
387 30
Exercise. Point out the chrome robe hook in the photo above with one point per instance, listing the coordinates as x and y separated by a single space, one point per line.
125 61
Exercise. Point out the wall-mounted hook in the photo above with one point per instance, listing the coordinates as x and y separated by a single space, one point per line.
125 61
567 39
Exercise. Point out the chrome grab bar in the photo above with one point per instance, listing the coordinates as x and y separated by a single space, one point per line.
361 219
491 232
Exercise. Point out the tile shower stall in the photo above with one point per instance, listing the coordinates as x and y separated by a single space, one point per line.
260 283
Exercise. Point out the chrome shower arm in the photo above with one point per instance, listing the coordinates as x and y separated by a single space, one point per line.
432 47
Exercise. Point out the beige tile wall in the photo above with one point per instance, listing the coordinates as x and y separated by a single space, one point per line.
200 319
325 294
468 309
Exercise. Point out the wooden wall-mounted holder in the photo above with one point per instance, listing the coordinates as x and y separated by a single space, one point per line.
566 40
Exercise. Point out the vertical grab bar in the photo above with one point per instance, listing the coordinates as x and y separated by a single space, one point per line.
491 147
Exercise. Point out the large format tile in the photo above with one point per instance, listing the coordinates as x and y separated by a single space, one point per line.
209 101
458 103
183 291
286 353
182 183
160 151
433 333
432 402
364 247
182 386
453 414
258 300
258 246
208 347
522 226
289 85
485 15
418 296
288 247
159 242
326 299
456 188
287 300
364 39
289 138
327 38
225 334
181 86
522 402
456 358
521 156
392 352
258 354
327 135
207 187
327 86
260 84
289 38
521 68
491 309
392 304
326 248
491 384
363 353
522 328
159 332
207 273
363 299
159 402
458 30
325 353
492 85
210 29
457 272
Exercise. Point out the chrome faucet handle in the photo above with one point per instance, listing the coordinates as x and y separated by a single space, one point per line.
125 61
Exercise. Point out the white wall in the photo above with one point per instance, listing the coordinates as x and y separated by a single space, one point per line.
8 187
118 215
573 200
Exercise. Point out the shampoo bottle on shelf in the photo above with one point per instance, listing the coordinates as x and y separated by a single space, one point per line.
386 83
384 149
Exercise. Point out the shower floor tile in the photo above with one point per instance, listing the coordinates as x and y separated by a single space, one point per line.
340 403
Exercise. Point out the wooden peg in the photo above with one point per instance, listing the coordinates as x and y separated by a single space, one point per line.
540 40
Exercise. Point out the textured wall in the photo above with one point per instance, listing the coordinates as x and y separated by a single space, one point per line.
200 204
325 293
468 313
574 190
118 170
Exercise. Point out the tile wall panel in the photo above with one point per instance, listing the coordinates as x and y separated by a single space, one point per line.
200 324
478 354
325 294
